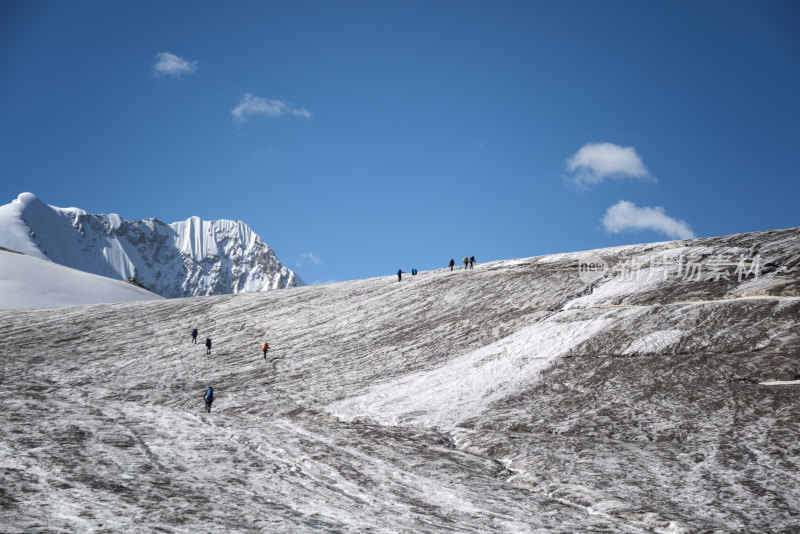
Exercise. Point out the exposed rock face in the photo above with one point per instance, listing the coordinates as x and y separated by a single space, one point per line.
653 391
187 258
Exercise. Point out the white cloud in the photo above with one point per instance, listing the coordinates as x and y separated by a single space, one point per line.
255 105
172 65
310 256
626 215
594 162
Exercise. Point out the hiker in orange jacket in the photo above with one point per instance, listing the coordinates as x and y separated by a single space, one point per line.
265 348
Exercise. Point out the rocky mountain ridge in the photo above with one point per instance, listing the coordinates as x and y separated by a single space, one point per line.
182 259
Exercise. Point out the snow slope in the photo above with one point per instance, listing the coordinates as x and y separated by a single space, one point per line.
187 258
514 397
28 282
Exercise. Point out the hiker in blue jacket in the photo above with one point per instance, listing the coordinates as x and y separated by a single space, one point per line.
209 398
399 275
194 335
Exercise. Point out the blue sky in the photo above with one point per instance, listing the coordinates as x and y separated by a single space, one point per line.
361 137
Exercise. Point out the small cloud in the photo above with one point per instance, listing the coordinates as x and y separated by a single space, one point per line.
626 215
480 145
255 105
310 256
171 65
595 162
266 152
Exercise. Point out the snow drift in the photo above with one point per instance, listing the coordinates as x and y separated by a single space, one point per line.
28 282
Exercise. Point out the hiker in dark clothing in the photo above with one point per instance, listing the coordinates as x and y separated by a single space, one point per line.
452 262
208 345
194 335
471 261
465 261
399 275
209 398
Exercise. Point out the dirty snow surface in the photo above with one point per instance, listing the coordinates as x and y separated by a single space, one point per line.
514 397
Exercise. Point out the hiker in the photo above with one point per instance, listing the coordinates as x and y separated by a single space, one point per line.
414 272
208 345
471 261
452 262
466 261
399 275
194 335
209 398
265 348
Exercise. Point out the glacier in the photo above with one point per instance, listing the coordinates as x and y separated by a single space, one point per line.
186 258
662 396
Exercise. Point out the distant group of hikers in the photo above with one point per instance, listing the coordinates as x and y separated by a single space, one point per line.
208 340
468 262
208 397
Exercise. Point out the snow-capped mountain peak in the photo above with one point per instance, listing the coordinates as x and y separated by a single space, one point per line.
186 258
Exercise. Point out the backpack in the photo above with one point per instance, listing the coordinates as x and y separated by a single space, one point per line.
194 331
264 346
